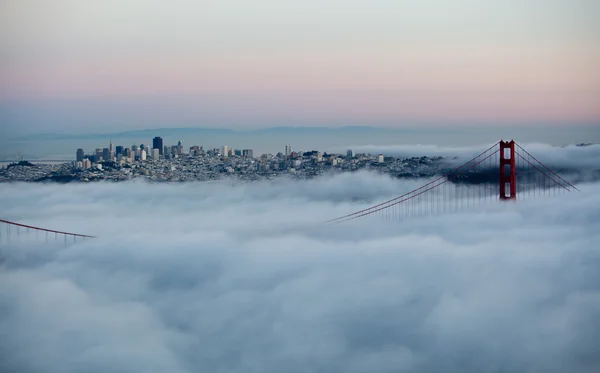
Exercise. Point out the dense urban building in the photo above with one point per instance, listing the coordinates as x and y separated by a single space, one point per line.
212 164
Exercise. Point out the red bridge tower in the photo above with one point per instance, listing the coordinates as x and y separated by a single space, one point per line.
508 171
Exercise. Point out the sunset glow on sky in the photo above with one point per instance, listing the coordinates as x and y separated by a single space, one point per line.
382 61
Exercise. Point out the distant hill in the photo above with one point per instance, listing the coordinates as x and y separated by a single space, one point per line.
182 132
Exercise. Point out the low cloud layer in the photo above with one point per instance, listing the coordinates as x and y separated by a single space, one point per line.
219 277
581 163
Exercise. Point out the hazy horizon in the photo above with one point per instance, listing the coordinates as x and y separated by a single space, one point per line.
273 140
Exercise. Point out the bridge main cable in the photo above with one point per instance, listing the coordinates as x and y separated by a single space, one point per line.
44 229
389 202
411 197
552 172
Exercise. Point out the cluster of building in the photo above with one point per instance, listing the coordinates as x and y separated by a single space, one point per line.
158 151
172 163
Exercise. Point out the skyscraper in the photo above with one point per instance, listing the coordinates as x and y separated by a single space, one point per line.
111 151
127 153
288 150
80 155
225 151
157 143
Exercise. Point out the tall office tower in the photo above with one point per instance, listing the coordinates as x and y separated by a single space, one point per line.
118 150
142 155
79 155
106 154
128 153
98 154
111 151
143 147
155 154
288 150
231 152
174 150
349 153
380 158
237 152
225 151
157 143
179 147
248 153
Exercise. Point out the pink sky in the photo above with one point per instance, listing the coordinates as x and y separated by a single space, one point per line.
536 62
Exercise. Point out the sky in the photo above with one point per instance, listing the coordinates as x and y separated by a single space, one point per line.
225 277
98 66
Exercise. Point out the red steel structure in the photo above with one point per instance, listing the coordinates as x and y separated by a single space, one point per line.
508 170
505 164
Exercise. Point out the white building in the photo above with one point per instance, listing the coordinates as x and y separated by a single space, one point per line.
288 150
225 151
143 155
380 158
155 154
